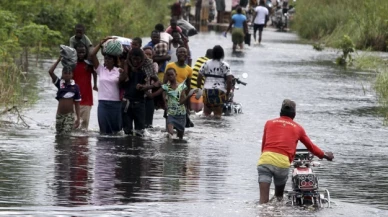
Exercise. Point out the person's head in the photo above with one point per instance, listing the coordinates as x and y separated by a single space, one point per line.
79 31
136 56
181 54
81 51
218 52
176 36
173 23
159 27
262 3
239 10
148 52
136 43
155 37
171 75
110 61
209 53
288 109
67 73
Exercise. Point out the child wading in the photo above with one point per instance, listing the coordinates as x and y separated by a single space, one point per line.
68 97
175 96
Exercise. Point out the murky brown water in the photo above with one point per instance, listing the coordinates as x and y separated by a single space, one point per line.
214 173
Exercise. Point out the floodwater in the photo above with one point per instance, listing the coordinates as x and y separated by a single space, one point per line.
214 172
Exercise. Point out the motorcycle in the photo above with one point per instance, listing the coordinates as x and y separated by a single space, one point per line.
230 107
305 187
280 19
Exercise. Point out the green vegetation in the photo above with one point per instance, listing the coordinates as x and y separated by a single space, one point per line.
327 21
349 25
38 27
347 47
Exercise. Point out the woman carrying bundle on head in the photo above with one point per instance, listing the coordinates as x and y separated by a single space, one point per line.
109 103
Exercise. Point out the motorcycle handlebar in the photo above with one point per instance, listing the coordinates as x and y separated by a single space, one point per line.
240 82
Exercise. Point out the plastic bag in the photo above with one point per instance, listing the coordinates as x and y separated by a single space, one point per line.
69 57
113 47
187 28
123 41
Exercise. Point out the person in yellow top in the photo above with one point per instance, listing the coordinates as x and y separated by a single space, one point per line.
183 71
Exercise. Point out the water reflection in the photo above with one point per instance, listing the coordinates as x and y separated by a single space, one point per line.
123 170
71 170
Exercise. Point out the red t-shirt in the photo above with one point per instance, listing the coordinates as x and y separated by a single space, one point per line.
281 135
82 76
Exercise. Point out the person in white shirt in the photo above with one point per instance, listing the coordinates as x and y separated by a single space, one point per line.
218 82
260 19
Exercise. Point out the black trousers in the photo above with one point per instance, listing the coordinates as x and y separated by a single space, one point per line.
133 112
149 111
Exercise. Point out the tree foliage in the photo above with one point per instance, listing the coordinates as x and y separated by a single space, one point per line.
40 26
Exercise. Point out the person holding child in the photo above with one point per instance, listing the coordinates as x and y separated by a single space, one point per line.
132 80
68 97
109 103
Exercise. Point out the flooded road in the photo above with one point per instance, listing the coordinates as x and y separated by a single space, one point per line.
214 173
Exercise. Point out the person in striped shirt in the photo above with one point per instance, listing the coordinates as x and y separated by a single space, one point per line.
197 104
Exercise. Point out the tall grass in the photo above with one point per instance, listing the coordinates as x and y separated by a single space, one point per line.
365 21
381 87
11 82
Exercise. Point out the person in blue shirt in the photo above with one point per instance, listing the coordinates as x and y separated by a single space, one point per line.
240 28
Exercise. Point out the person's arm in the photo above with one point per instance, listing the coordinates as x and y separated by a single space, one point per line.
123 77
310 145
156 93
88 42
199 80
77 112
188 83
229 80
77 99
94 80
52 69
254 17
162 58
93 55
183 98
266 18
264 138
230 25
245 27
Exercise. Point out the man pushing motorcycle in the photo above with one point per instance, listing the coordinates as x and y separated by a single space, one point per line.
280 139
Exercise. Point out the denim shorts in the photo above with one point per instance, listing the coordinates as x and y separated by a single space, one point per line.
266 172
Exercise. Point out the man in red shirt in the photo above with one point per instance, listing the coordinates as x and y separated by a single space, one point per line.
280 139
83 76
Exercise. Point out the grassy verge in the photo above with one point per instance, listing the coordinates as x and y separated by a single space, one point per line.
364 21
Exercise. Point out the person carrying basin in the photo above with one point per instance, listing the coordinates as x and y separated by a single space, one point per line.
280 139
